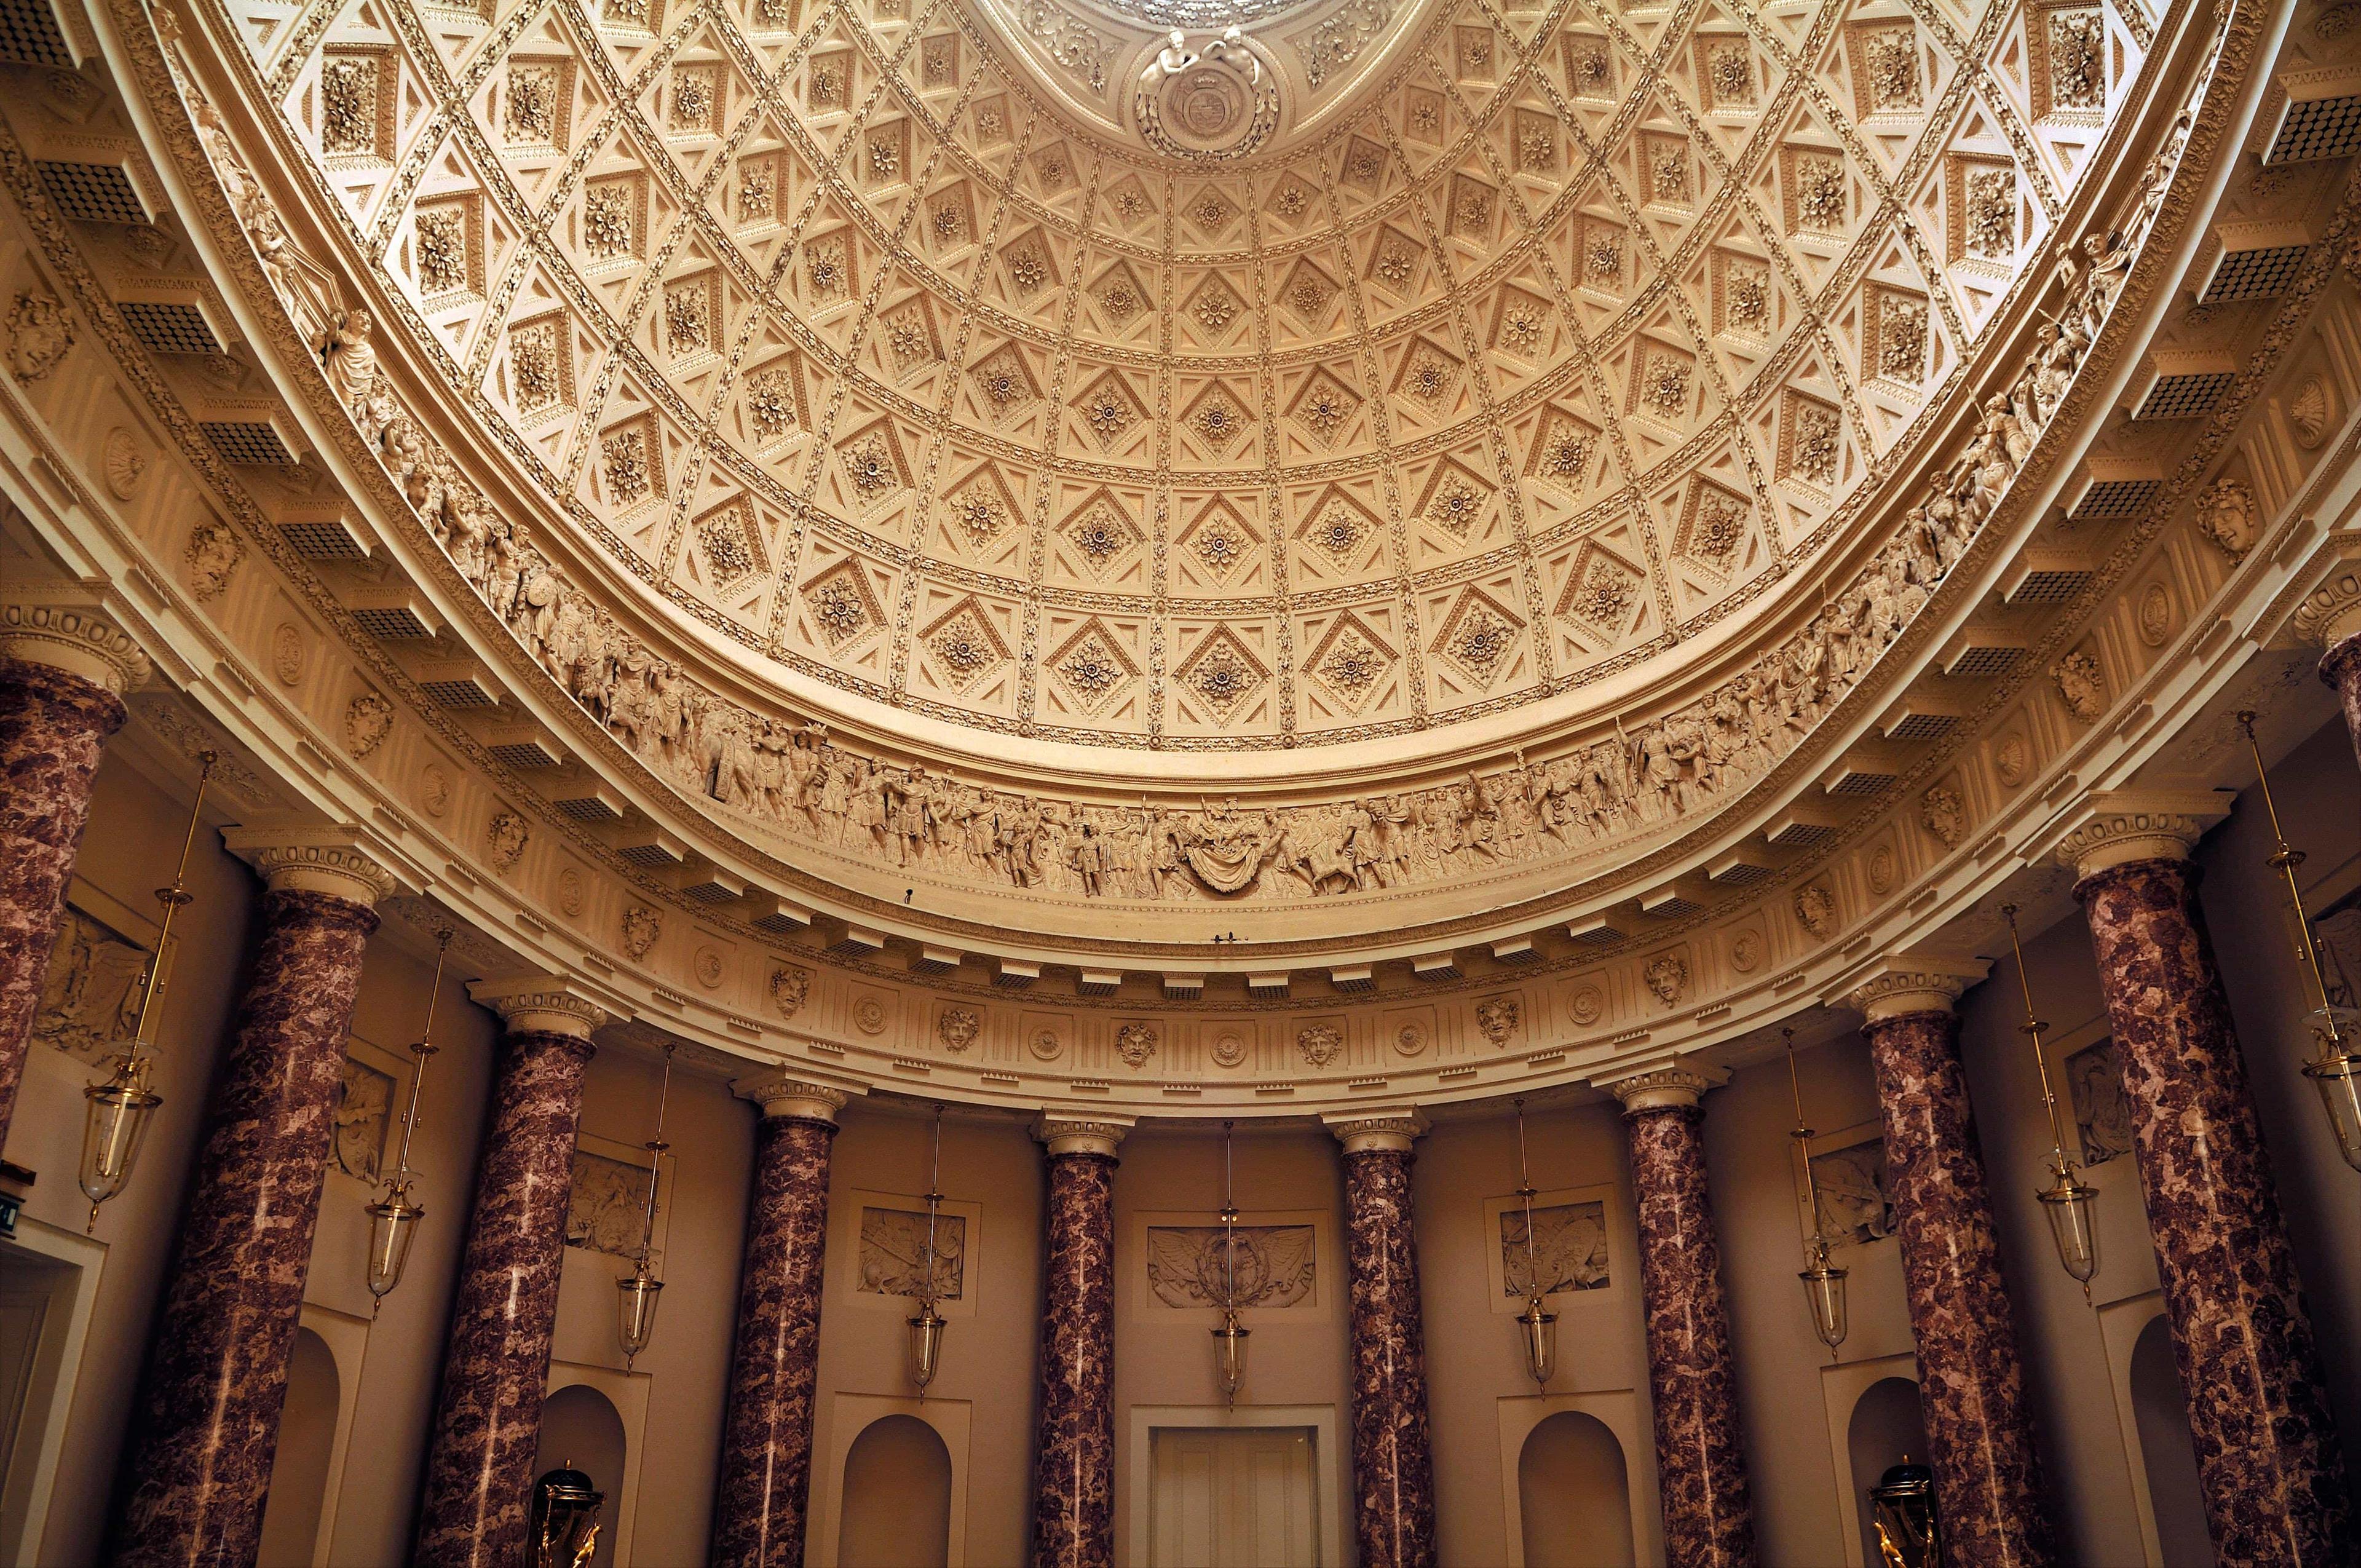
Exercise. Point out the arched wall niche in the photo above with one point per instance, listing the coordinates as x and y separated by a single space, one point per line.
2165 1455
898 1497
580 1427
1886 1428
1575 1494
300 1471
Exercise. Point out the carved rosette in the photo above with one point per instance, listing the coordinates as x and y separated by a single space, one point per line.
2114 827
78 641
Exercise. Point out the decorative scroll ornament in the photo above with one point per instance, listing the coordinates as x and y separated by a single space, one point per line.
1218 103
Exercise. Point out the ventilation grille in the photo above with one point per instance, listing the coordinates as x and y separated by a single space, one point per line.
169 326
1184 986
463 693
1444 967
2116 498
523 755
1923 726
709 891
2321 127
933 960
587 808
778 923
92 192
1673 906
251 442
1598 933
2184 396
393 625
1794 834
1738 873
1982 661
654 855
1517 953
1015 977
2048 586
326 541
1856 783
1097 983
30 35
2261 274
1352 980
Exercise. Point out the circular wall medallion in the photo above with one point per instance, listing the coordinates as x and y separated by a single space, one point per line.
1229 1050
125 466
571 893
1881 870
1746 951
434 790
1409 1039
287 655
2012 759
869 1016
2155 615
1586 1005
1046 1044
710 967
1216 102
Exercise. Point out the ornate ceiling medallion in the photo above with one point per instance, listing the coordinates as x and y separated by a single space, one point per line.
1210 103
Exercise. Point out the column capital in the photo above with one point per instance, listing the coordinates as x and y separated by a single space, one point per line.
65 630
1081 1134
2332 612
329 861
1911 982
2111 828
546 1004
781 1098
1660 1089
1368 1132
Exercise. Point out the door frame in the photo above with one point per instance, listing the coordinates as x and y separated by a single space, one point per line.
1327 1474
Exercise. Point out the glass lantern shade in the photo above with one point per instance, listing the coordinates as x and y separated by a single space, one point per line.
114 1129
393 1225
1824 1288
2073 1208
2338 1076
925 1345
636 1303
1230 1356
1538 1326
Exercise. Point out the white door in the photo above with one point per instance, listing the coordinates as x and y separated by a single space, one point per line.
1231 1498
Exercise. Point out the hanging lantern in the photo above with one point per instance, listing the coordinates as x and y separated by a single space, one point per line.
2336 1069
563 1530
1230 1337
115 1122
637 1292
1537 1324
2071 1203
927 1328
1824 1282
393 1219
1902 1506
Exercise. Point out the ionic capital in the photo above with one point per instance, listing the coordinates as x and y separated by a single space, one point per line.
795 1099
2114 828
541 1004
73 637
1388 1132
1071 1135
1911 982
1665 1089
2331 612
326 861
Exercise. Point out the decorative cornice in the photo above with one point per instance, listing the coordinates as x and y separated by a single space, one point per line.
327 861
541 1004
73 637
2116 827
1390 1131
1666 1088
794 1099
1911 983
1096 1136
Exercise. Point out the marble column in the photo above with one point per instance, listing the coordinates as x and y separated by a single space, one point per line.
1073 1453
759 1505
198 1464
64 675
2268 1462
496 1359
2331 618
1970 1377
1393 1470
1700 1451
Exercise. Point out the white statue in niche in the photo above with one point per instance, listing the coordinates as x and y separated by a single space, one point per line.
894 1249
1192 1266
1569 1250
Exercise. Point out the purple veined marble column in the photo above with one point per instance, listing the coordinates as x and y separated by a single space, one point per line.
1074 1450
198 1464
2336 627
64 675
1393 1468
1970 1377
759 1504
496 1363
1700 1450
2268 1460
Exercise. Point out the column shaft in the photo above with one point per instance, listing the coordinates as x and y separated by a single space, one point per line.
1393 1473
2339 668
1970 1378
53 729
496 1366
1073 1497
1701 1453
759 1513
2267 1461
198 1462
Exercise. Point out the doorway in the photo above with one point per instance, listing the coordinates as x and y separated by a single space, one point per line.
1233 1497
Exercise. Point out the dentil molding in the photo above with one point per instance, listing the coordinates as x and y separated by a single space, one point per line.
1392 1133
1666 1088
1065 1135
